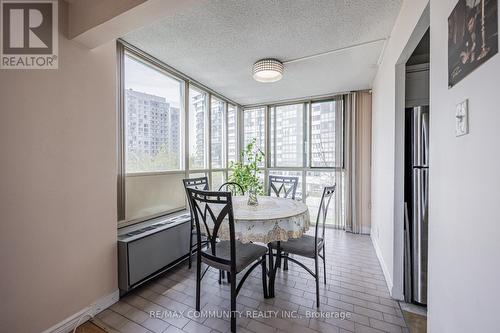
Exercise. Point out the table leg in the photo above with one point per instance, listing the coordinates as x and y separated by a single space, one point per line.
273 268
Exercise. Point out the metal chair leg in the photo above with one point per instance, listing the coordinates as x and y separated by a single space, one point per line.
317 279
264 276
233 302
190 248
285 261
324 264
198 280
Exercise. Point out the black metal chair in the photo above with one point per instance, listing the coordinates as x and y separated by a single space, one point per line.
200 183
214 210
284 187
309 246
234 188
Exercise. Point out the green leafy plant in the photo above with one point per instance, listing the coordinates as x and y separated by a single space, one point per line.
246 172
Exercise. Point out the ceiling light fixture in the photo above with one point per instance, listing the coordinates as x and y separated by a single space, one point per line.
268 70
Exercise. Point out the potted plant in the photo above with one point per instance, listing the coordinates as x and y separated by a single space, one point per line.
246 172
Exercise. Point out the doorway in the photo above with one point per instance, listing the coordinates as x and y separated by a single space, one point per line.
411 55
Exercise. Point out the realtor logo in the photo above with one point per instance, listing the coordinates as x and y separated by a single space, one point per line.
29 34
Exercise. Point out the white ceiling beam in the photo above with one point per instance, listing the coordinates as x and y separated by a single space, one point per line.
129 20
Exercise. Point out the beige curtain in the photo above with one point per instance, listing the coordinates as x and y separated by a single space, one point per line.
357 162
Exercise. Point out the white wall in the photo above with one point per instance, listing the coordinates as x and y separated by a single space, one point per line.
57 187
464 217
383 141
464 220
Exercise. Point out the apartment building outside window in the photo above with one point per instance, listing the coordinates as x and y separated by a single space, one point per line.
305 141
171 129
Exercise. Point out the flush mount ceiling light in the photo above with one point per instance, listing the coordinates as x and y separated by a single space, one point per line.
268 70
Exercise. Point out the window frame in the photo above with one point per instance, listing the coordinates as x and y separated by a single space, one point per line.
339 126
224 145
270 108
125 49
206 154
143 61
307 151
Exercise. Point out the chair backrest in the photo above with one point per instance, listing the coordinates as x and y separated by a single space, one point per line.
213 209
200 183
234 188
319 231
281 186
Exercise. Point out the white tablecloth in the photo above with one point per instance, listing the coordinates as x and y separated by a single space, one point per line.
274 219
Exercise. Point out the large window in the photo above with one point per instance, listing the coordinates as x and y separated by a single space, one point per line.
254 128
153 118
171 129
316 181
287 135
232 135
305 140
198 113
324 133
217 132
153 163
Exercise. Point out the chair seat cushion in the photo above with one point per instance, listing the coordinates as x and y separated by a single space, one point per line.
246 254
303 246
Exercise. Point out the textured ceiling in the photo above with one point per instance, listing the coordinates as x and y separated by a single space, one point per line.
217 42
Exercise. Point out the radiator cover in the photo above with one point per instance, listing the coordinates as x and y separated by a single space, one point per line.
148 249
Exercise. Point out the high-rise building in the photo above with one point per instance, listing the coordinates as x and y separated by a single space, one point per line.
323 133
153 130
217 132
198 108
286 134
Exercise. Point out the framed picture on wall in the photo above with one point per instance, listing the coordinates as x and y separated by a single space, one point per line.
472 37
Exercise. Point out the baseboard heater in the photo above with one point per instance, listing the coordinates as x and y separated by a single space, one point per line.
150 248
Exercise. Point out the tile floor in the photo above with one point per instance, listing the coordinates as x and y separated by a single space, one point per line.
355 289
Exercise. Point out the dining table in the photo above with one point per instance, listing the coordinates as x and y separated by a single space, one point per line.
273 219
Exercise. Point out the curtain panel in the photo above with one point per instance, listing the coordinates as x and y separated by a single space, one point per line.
357 158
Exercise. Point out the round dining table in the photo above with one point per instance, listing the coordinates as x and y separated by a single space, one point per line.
274 219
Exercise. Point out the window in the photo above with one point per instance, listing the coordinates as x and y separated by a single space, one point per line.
218 178
157 151
232 142
287 136
304 140
153 140
217 123
254 127
198 106
325 133
315 183
153 123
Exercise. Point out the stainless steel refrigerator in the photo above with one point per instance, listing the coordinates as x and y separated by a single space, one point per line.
417 177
